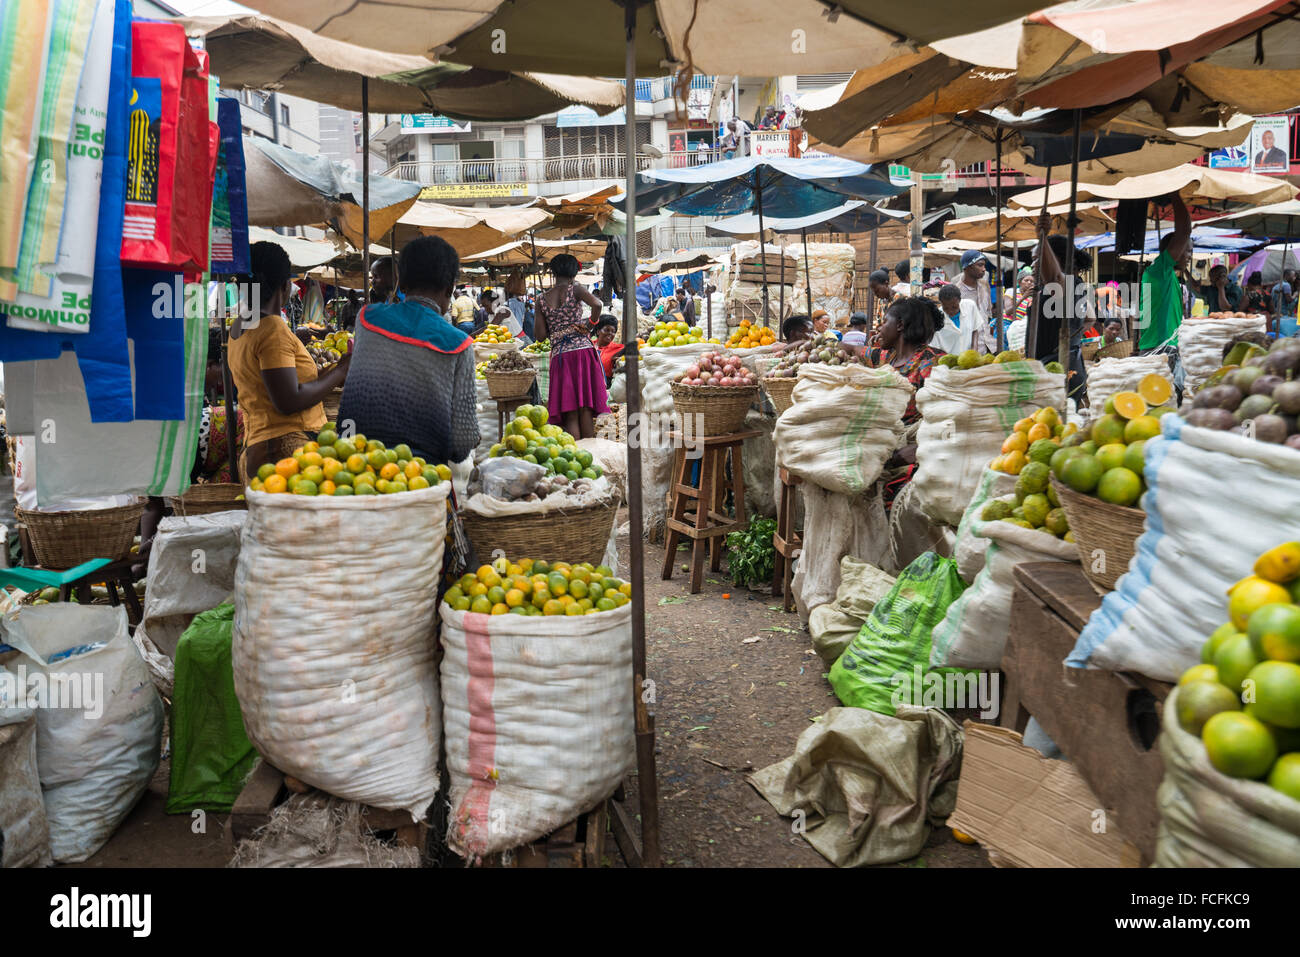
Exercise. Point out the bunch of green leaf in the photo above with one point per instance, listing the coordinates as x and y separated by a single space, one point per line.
751 556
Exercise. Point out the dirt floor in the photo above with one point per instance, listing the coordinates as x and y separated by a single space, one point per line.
737 682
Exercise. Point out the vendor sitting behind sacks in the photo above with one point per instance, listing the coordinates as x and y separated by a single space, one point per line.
412 377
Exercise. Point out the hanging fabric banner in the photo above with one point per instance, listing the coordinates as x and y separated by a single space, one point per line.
229 197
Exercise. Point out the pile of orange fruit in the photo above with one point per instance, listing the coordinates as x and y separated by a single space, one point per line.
334 465
528 587
749 336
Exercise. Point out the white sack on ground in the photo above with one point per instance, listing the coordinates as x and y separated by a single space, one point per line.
352 710
966 415
833 626
912 533
99 749
835 526
22 808
538 722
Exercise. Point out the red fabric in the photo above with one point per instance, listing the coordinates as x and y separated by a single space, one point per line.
607 356
576 383
172 155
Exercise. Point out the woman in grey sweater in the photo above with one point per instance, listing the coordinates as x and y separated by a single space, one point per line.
412 375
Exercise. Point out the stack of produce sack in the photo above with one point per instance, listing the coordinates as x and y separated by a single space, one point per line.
744 296
1201 342
830 268
966 412
353 712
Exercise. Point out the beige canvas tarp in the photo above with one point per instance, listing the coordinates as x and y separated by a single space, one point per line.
1191 182
1022 226
470 231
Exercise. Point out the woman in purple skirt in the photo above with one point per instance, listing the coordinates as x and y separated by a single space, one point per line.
577 389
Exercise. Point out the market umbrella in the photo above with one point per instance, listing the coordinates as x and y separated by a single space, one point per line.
763 37
253 52
1196 184
1275 219
576 213
1203 240
304 254
1021 225
524 252
1270 261
288 188
469 230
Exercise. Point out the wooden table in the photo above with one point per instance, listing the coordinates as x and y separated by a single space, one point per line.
706 523
786 541
1105 722
506 410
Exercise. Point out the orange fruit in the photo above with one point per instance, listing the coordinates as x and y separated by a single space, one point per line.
331 468
1279 564
480 605
314 473
1238 745
356 463
514 597
286 467
553 607
275 483
413 470
1155 389
1251 594
266 471
327 487
1015 442
1038 431
1129 405
388 471
500 608
313 458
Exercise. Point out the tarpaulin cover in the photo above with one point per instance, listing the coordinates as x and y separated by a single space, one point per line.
855 216
211 753
790 187
229 195
102 352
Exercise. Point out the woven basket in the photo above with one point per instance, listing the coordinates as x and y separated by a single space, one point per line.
208 498
722 407
780 390
1088 350
1116 350
1101 530
66 539
509 385
573 536
331 404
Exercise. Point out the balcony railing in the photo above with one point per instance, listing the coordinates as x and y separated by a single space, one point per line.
539 170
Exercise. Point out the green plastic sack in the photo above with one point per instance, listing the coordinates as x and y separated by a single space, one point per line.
893 646
211 753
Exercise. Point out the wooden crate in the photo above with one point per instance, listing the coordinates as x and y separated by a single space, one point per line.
265 790
580 843
1105 722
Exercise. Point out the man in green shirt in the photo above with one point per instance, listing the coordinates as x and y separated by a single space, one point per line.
1162 293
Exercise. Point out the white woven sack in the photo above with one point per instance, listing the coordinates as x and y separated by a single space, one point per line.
96 757
1201 342
486 350
538 720
334 641
844 425
1111 375
22 808
1208 819
1214 502
973 633
966 415
834 526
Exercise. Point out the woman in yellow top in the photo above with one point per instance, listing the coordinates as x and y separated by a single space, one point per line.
276 381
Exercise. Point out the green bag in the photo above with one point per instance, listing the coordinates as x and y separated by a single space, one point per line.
880 666
211 753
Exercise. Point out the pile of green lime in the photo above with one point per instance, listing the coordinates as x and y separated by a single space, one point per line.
528 436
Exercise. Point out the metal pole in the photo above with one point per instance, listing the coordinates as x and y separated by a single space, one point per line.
647 787
1063 341
916 257
762 246
871 295
997 202
365 188
1035 307
781 312
228 391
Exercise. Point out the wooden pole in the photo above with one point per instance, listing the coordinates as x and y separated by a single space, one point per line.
780 316
762 246
997 202
228 391
1031 334
365 188
807 276
871 295
647 786
1063 341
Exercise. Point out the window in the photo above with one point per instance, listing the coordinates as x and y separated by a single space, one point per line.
284 114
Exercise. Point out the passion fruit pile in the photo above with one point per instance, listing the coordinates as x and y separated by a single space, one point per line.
824 349
1259 397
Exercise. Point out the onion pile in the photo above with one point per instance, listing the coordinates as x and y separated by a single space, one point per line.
825 349
717 368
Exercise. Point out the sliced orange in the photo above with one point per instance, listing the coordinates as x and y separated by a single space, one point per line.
1155 389
1130 405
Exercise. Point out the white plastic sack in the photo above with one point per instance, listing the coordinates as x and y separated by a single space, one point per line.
845 423
1108 376
99 734
966 415
1201 342
611 456
835 526
538 722
333 647
487 350
912 533
557 503
834 626
1208 819
973 634
1214 502
830 266
658 368
968 549
191 569
22 808
489 427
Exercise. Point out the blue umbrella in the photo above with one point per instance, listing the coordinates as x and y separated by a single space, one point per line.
779 187
1203 239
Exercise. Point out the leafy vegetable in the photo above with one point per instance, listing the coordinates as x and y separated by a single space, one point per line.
751 556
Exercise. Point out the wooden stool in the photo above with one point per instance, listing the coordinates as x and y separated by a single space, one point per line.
506 409
708 520
786 541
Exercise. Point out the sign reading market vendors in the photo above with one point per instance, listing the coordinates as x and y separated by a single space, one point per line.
431 123
445 191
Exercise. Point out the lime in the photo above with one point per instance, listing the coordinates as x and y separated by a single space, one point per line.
1217 637
1119 486
1275 631
1275 686
1234 660
1082 473
1239 745
1200 701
